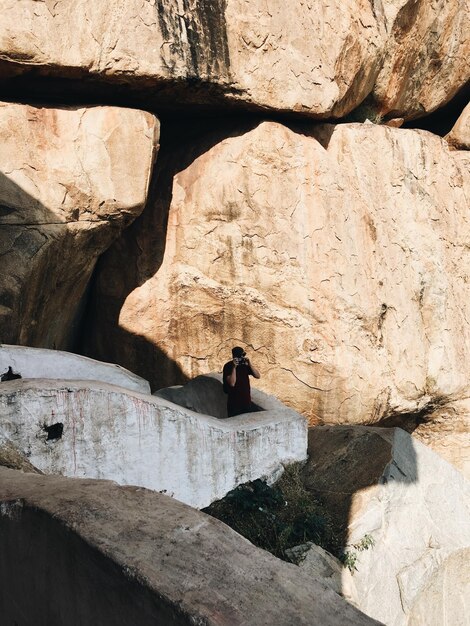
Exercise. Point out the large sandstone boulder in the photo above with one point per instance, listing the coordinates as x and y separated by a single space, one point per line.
459 136
97 430
426 56
316 58
43 363
415 506
321 59
70 180
336 254
90 552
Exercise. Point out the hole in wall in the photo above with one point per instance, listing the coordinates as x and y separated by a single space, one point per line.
54 432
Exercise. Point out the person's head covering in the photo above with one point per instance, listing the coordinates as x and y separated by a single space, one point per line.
238 352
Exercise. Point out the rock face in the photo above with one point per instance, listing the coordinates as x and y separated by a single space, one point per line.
316 58
96 430
329 252
459 136
323 566
54 364
70 180
414 505
426 57
140 557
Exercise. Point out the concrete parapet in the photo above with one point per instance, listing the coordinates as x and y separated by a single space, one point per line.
43 363
97 430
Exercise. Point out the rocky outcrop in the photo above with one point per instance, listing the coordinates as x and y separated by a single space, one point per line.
330 252
426 56
312 58
97 430
140 557
315 58
414 506
324 567
70 180
459 136
55 364
11 457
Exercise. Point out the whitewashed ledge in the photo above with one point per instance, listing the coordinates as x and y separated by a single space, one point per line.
204 394
55 364
138 439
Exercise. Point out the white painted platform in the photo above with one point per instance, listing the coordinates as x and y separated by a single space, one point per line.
55 364
133 438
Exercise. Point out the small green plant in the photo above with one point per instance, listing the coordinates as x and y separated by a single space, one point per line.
349 557
349 560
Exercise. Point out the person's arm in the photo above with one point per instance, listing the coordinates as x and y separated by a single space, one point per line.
232 377
254 371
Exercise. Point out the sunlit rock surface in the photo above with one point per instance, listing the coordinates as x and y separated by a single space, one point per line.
70 180
415 506
336 254
97 430
311 57
426 55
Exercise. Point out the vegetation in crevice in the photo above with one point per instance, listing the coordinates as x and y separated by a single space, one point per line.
279 517
350 556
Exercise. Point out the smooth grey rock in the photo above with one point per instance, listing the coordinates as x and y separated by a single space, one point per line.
416 507
90 552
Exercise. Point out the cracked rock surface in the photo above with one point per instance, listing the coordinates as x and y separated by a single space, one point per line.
320 59
414 505
336 254
143 558
71 179
426 55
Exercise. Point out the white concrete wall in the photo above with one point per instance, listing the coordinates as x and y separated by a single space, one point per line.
204 394
55 364
138 439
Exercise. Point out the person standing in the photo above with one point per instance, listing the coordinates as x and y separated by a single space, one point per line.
236 380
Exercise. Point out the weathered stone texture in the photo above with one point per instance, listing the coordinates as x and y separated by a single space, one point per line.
416 508
140 557
316 58
340 260
133 438
426 55
70 180
459 136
